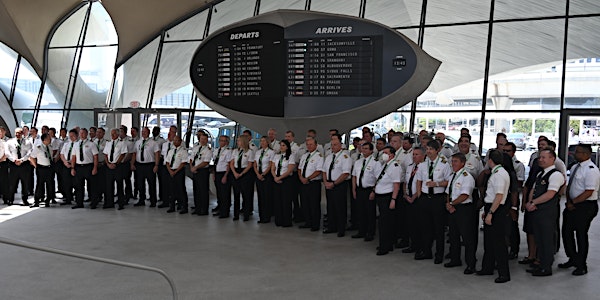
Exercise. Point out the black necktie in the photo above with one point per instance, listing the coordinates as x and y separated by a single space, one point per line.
451 186
19 149
411 179
112 151
306 165
142 151
262 153
331 168
218 155
279 166
81 151
362 172
173 158
430 191
70 150
239 160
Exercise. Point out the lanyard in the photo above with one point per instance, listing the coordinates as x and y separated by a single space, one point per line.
456 177
367 163
383 171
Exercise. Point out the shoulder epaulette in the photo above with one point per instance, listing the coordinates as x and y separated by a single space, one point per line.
591 167
395 164
465 173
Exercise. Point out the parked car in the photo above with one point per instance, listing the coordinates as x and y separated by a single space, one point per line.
519 138
532 141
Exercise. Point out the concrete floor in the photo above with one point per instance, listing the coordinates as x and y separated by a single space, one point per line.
211 258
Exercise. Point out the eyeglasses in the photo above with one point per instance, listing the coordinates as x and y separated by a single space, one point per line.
507 151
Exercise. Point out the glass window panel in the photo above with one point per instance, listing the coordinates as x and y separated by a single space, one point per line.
450 124
211 122
577 7
521 66
8 60
81 118
412 34
60 62
28 87
50 118
25 117
394 13
513 9
457 84
230 11
190 29
270 5
94 78
101 30
516 123
173 87
136 76
68 32
581 85
350 7
453 11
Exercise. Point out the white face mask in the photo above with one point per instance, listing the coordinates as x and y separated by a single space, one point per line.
385 157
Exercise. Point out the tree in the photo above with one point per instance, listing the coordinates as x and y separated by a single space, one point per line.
522 125
545 125
575 125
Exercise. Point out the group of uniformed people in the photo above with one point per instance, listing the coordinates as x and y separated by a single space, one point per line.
419 188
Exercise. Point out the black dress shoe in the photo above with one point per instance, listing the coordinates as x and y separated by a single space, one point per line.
567 264
171 210
65 203
121 207
513 255
140 203
76 206
216 209
541 272
35 205
341 234
329 231
369 238
401 244
93 206
351 228
380 253
185 211
246 218
452 264
422 256
438 260
484 273
408 250
25 203
526 261
314 229
447 256
236 218
223 217
358 236
163 205
152 204
108 206
579 271
469 271
304 226
502 279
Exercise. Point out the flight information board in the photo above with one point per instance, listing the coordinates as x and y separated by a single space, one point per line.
332 67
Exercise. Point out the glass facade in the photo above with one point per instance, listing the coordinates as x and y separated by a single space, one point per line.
507 71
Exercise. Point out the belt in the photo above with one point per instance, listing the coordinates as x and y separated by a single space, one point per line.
365 188
42 166
145 163
83 165
383 195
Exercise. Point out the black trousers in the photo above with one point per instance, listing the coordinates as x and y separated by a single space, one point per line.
366 211
244 187
298 215
98 193
495 251
461 227
310 196
386 222
282 201
31 183
514 236
412 220
128 189
354 210
58 169
264 192
433 216
543 221
145 174
45 183
178 191
401 220
114 176
19 174
223 193
68 182
576 224
161 176
4 179
201 190
337 207
83 175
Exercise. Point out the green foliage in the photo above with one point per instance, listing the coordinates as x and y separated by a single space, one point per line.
522 125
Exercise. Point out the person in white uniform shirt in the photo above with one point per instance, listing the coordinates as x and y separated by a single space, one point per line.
41 160
65 156
163 179
309 174
297 214
176 160
312 134
100 178
581 209
221 159
282 168
409 185
85 161
145 160
241 162
495 255
17 151
363 179
432 180
114 153
273 142
248 134
3 166
264 180
336 169
385 193
200 163
460 208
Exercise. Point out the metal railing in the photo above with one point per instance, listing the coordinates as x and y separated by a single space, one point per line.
92 258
